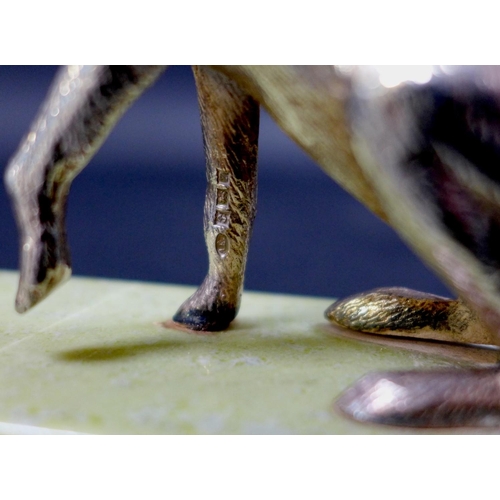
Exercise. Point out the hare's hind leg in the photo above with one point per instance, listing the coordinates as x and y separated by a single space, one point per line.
230 120
79 112
408 313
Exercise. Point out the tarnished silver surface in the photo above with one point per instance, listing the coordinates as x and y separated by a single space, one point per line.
419 146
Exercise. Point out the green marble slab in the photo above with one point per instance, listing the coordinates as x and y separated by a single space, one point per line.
94 358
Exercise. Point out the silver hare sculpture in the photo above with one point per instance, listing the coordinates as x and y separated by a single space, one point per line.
420 149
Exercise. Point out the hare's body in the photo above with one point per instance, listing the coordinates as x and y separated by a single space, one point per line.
423 156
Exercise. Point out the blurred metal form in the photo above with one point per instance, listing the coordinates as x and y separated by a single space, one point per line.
430 399
82 106
419 146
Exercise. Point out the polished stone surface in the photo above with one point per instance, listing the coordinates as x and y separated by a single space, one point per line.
94 358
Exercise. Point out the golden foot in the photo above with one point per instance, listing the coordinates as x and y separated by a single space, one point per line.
409 313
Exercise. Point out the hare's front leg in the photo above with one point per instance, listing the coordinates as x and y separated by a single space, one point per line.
230 120
81 109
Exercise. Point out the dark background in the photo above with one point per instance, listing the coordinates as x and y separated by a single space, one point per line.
136 211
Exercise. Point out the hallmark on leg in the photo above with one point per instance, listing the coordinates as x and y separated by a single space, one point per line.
222 245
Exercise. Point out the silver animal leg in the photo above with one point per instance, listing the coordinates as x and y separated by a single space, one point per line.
230 120
83 105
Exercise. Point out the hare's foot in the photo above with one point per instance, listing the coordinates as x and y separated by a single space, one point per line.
44 257
209 309
408 313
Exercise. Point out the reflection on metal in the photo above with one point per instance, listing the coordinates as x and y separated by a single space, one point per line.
446 398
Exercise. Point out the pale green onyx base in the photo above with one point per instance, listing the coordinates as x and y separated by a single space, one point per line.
93 358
